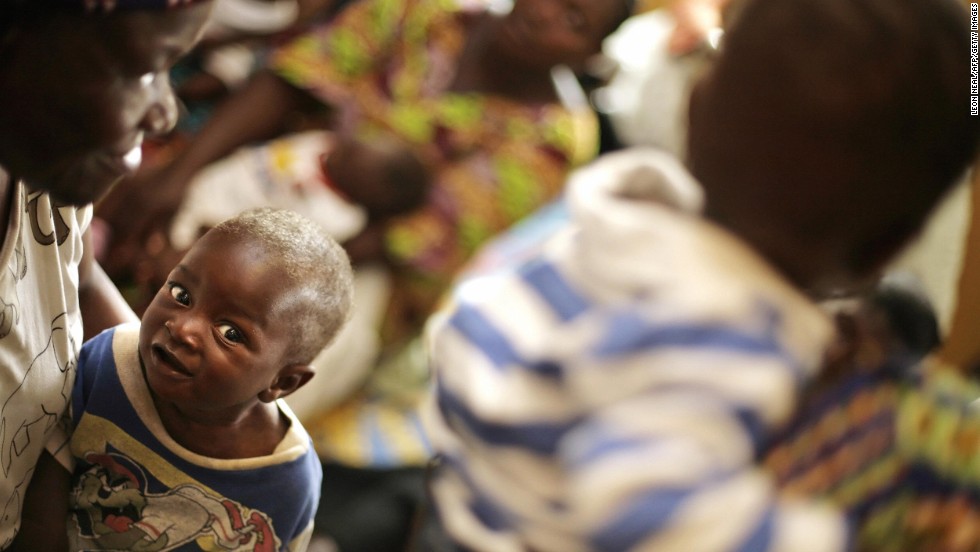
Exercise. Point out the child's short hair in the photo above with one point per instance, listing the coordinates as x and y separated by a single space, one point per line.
837 114
311 260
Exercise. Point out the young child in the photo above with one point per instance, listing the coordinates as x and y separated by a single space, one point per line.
616 391
179 434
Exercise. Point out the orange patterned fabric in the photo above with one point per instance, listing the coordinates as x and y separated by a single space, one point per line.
898 453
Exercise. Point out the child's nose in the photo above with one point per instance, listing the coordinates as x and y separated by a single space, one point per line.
184 330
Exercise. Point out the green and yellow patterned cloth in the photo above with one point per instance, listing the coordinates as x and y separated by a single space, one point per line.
898 451
387 66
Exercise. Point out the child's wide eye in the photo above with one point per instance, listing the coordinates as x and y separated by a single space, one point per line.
180 294
231 333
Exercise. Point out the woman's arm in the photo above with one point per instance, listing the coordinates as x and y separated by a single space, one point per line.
43 524
101 304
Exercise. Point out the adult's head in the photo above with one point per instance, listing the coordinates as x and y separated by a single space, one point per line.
828 129
545 33
82 82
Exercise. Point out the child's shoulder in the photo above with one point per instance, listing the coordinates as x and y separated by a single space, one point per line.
113 347
122 335
296 436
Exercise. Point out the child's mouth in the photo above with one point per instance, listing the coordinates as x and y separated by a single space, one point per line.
166 358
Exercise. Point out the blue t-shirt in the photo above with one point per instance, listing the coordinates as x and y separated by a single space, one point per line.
135 488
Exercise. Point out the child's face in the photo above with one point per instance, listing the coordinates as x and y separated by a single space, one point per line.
216 334
80 93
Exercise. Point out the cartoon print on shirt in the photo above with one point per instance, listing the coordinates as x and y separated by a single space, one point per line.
19 266
9 310
24 419
11 508
58 234
114 511
8 316
37 385
36 417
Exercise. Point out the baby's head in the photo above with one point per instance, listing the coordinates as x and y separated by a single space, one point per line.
382 174
828 129
245 312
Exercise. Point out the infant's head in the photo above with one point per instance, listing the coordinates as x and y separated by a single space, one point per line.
382 174
245 311
828 129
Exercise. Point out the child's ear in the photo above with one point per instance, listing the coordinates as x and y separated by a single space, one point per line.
288 379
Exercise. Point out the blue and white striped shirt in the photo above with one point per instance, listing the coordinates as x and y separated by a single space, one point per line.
614 391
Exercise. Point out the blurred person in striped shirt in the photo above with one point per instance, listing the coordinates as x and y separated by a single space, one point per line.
616 390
